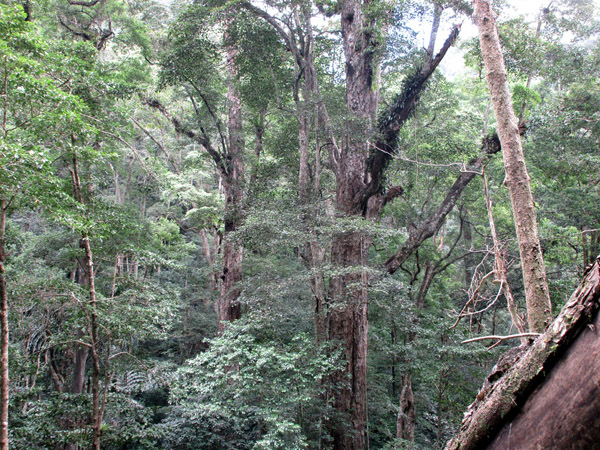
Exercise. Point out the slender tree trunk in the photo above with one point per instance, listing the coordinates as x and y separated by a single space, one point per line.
500 267
94 347
539 308
81 352
81 356
307 191
91 316
4 382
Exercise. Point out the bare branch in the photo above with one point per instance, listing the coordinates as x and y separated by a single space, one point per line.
158 144
500 338
88 3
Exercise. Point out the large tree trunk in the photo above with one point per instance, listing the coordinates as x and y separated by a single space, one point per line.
347 315
229 308
358 163
348 324
539 309
4 380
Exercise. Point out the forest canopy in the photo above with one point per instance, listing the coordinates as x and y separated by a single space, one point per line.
274 224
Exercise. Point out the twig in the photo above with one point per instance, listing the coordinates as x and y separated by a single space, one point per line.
500 338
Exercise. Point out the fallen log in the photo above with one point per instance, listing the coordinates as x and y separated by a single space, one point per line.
546 395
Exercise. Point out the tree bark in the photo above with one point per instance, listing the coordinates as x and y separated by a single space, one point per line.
405 422
233 183
347 314
539 309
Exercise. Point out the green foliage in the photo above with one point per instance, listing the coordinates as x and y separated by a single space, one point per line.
152 205
251 378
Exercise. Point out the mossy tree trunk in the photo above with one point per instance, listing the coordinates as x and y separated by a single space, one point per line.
539 309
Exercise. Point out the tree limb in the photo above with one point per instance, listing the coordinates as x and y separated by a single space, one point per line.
500 338
392 120
202 138
88 3
432 224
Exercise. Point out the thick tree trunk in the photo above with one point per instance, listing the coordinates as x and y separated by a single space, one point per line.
358 164
347 315
4 380
539 308
229 308
348 324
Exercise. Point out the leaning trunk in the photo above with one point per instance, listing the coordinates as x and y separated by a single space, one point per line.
539 308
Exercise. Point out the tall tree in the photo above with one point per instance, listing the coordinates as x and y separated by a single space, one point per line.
234 181
539 308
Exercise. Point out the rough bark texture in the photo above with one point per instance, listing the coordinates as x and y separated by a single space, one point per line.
229 308
348 324
548 397
406 420
539 309
347 315
4 380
